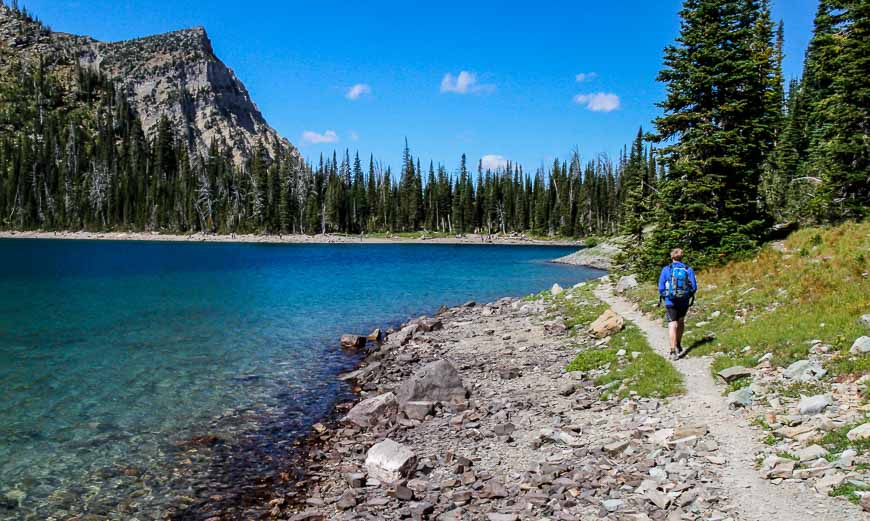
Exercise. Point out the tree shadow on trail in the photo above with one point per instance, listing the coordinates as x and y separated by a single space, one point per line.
697 343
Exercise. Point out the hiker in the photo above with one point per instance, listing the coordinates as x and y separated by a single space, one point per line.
677 287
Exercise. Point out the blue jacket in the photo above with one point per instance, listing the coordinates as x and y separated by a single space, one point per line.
666 276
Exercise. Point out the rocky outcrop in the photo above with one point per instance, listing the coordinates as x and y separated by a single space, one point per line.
176 75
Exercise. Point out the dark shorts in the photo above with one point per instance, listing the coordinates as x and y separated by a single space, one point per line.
676 312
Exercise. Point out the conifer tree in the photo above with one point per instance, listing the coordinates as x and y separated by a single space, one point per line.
719 77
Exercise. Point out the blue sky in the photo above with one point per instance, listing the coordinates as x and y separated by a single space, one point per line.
481 78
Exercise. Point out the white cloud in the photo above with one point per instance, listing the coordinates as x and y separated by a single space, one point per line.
586 76
314 138
493 162
357 91
464 83
354 136
599 101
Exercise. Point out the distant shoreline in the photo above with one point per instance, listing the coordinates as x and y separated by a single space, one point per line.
288 239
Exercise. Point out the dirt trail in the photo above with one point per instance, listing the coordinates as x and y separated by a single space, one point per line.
756 498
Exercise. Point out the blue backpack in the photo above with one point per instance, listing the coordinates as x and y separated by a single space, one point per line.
679 287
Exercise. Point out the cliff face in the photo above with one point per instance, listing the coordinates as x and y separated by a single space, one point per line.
176 75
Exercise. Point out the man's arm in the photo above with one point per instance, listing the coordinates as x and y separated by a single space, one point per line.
663 277
693 281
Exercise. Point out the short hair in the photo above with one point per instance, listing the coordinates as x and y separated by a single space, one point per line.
677 254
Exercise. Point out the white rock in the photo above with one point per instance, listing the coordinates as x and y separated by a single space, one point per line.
814 404
861 432
813 452
846 459
861 345
556 290
741 397
805 371
626 282
612 505
388 461
827 483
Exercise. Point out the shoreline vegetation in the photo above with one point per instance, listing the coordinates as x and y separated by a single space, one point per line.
374 238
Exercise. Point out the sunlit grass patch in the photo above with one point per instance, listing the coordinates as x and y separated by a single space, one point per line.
836 440
850 491
778 302
639 371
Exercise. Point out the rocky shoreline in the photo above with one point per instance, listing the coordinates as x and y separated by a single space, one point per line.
471 238
471 415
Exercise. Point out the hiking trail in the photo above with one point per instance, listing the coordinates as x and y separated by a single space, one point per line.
756 498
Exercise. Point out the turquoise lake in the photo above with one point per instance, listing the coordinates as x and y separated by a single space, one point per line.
140 379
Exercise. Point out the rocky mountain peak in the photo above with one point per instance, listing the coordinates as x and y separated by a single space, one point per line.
175 75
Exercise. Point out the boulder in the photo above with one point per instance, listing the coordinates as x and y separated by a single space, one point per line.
860 346
405 334
369 411
804 370
813 404
389 462
811 453
556 327
430 324
376 336
353 341
556 290
861 432
626 282
741 397
606 324
438 381
829 482
418 410
733 373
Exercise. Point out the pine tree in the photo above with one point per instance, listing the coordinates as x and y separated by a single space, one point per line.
720 79
837 89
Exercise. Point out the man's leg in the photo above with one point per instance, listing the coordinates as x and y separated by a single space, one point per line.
673 331
681 326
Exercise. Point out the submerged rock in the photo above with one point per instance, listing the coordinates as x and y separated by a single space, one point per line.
353 341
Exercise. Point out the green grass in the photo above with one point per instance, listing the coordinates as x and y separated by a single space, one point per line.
849 491
778 301
647 375
739 383
592 359
836 441
796 389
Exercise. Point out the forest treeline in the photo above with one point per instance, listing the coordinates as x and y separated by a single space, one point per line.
733 152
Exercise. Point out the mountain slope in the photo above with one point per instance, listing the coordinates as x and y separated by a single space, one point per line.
176 75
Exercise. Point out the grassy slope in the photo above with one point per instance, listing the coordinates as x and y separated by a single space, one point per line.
781 300
647 375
